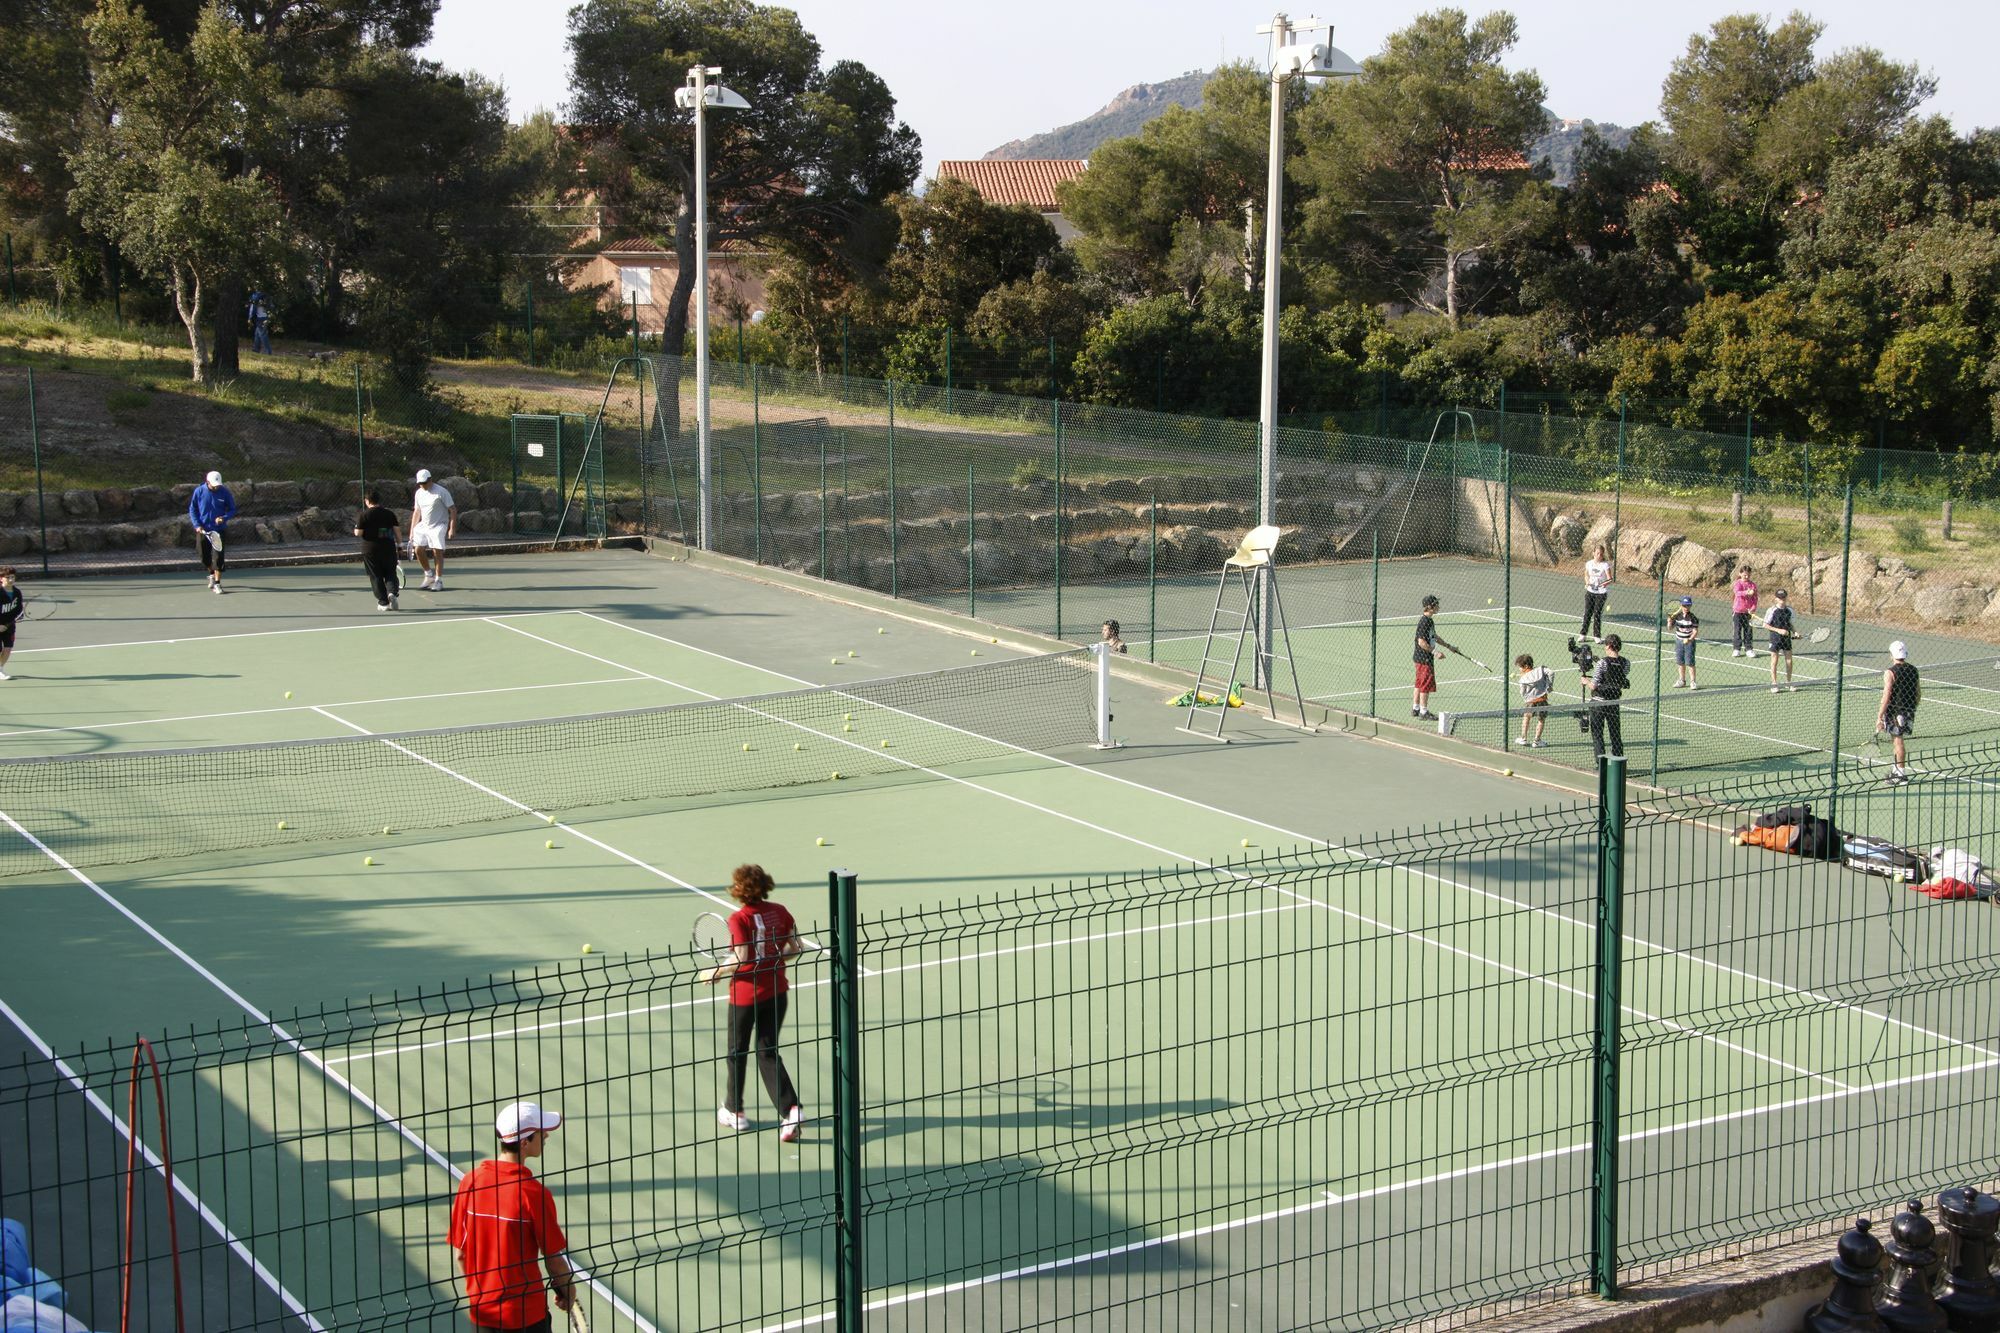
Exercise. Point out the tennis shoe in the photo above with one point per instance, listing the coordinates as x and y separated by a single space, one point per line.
1694 685
5 676
1538 744
437 584
729 1119
216 587
1736 652
1776 690
1749 652
381 606
794 1122
394 605
1791 689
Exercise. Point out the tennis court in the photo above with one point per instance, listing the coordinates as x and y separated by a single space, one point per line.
1185 1096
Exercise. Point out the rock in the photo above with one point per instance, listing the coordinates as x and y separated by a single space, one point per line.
1604 532
182 494
1566 535
276 496
494 495
14 507
529 520
80 504
1693 565
76 539
325 492
1646 551
150 502
464 494
1123 490
124 536
1952 604
114 502
996 563
15 543
479 520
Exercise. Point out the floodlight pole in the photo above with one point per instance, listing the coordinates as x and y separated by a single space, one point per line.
696 96
1287 61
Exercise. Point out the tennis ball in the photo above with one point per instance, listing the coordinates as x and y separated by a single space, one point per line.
288 694
885 742
550 818
368 860
797 746
1246 842
993 641
588 949
819 842
1489 601
848 727
880 630
833 661
385 830
746 745
1506 772
847 717
836 775
975 652
852 653
550 844
283 825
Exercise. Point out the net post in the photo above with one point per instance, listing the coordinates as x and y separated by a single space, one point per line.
41 494
1102 652
1374 610
850 1275
1506 583
1605 1045
1659 664
972 539
757 464
1056 413
895 569
1840 655
1153 578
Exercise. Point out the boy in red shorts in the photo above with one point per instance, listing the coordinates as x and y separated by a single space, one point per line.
502 1221
1425 656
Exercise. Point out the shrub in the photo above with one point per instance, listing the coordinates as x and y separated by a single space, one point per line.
127 400
1029 472
1910 534
1760 520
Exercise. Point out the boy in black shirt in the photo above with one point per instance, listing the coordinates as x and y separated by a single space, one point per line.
1425 656
1902 691
11 606
377 530
1687 630
1607 683
1778 620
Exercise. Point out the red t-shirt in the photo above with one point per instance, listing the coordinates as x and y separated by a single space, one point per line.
765 927
503 1221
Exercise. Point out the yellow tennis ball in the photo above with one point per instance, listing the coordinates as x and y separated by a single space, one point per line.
819 842
368 860
848 727
885 742
385 830
993 641
880 630
1246 842
975 652
1506 772
288 694
836 775
847 717
1489 601
833 661
797 746
852 653
587 949
283 825
549 818
746 745
550 844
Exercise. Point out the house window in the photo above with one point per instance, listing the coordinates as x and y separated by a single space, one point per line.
635 284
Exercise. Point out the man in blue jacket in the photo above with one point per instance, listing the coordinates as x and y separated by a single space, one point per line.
210 508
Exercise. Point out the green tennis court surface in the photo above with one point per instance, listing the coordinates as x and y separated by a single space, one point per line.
1200 1093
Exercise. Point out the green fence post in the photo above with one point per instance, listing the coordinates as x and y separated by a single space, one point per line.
531 323
972 539
1618 488
10 269
41 498
1506 587
640 372
1056 412
1055 390
1502 433
361 437
822 505
1605 1053
756 465
895 583
739 340
851 1284
947 368
1152 578
1374 610
1659 664
1812 602
1749 424
1881 445
1840 654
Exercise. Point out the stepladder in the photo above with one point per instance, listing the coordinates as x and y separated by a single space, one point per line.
1249 618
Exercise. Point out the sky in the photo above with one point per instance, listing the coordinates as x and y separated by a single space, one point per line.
969 75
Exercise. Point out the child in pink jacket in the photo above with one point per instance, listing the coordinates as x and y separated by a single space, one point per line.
1745 607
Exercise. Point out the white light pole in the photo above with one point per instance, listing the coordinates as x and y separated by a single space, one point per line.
1289 60
699 95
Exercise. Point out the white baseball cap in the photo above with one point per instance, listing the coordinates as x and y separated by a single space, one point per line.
214 478
423 474
1899 650
524 1118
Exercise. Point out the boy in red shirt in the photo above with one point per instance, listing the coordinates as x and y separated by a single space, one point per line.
765 936
502 1221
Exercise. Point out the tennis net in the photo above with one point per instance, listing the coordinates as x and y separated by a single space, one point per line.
1752 726
143 805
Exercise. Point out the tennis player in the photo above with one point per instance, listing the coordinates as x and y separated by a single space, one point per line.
1111 636
1778 620
209 509
1424 654
433 522
1597 575
1902 691
502 1220
1687 632
1743 606
764 935
1536 683
377 530
12 604
1608 683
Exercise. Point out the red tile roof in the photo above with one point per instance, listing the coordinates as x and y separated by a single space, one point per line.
1031 181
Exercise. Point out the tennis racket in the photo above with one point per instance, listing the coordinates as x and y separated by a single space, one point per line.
1879 742
579 1322
214 536
1457 651
711 940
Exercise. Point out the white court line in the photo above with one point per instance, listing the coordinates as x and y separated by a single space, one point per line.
296 1046
339 703
403 623
1363 857
1329 1199
501 1034
1382 928
180 1187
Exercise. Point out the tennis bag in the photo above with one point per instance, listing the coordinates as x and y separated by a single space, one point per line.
1784 814
1777 837
1879 856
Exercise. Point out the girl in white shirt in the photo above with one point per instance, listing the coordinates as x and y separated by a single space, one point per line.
1596 591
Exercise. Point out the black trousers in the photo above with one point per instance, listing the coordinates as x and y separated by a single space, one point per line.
211 559
767 1018
1593 613
381 575
1740 633
1606 722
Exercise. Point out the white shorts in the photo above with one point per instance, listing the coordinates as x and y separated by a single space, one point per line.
427 534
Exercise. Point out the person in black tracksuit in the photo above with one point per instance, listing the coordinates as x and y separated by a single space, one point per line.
1608 684
12 604
377 530
1902 691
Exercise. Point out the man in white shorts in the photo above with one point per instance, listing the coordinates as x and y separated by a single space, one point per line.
433 522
